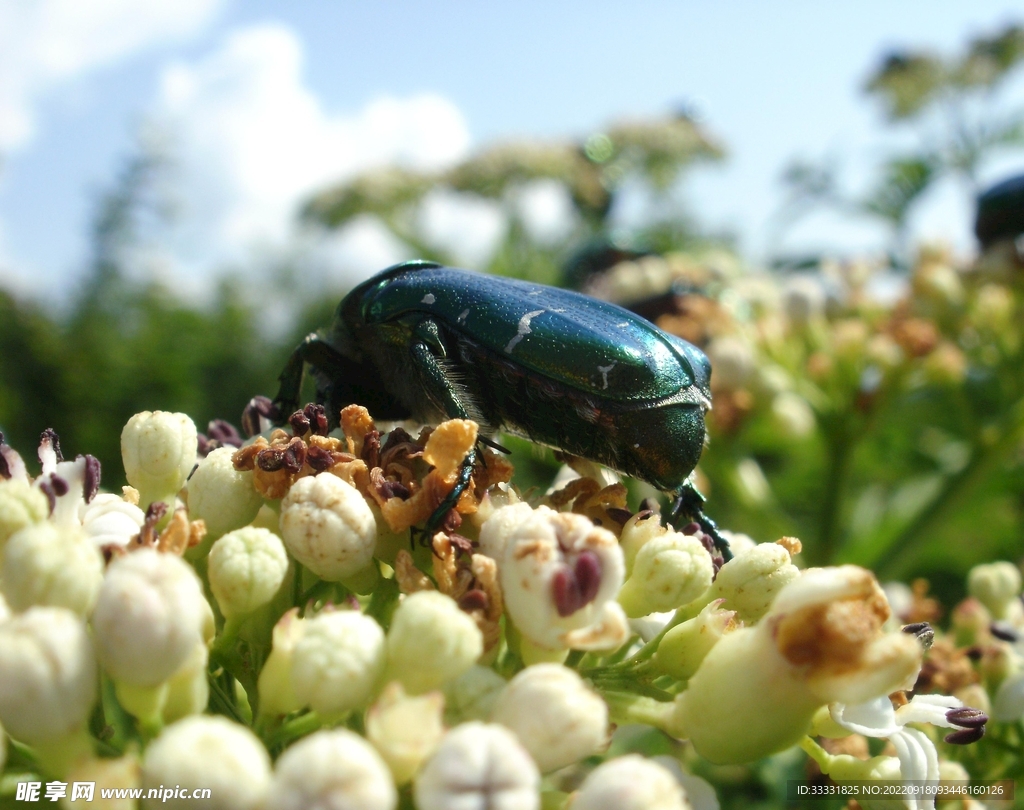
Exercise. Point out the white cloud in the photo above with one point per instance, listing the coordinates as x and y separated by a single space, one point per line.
465 226
251 142
357 251
46 43
547 212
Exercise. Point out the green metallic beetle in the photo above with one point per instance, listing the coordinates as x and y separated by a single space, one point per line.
427 342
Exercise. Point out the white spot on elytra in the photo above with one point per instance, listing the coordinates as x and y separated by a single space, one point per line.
523 329
462 316
558 310
535 292
428 299
623 325
604 373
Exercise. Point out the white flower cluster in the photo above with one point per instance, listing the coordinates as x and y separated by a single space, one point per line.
474 670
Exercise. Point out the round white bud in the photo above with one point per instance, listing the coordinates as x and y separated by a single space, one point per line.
52 565
159 451
431 641
110 521
668 572
208 752
276 691
630 783
149 616
328 527
554 715
996 585
338 662
221 496
478 766
48 678
749 581
246 569
472 695
21 505
405 730
332 770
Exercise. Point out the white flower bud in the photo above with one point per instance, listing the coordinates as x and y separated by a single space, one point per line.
332 770
48 679
684 646
188 689
21 505
559 575
338 662
478 766
49 565
223 497
803 300
996 585
208 752
499 526
405 730
472 695
732 358
328 527
149 616
124 772
159 451
630 783
792 415
668 572
554 715
110 521
821 642
749 581
277 694
246 569
430 642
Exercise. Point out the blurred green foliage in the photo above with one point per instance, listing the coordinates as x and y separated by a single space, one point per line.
124 347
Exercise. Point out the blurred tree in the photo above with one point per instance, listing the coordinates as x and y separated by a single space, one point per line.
955 109
594 172
127 346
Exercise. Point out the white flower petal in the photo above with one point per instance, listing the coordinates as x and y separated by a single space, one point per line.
912 749
928 709
873 718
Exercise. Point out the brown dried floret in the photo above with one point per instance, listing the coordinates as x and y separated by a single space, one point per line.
916 336
356 423
472 581
946 669
409 578
923 608
448 445
179 535
606 506
492 468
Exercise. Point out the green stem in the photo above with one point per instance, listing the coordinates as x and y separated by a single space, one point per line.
840 453
897 554
222 702
629 708
293 729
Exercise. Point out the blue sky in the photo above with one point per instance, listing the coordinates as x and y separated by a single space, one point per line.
263 102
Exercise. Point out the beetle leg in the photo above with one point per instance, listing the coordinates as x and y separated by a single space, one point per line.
689 506
316 352
445 393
